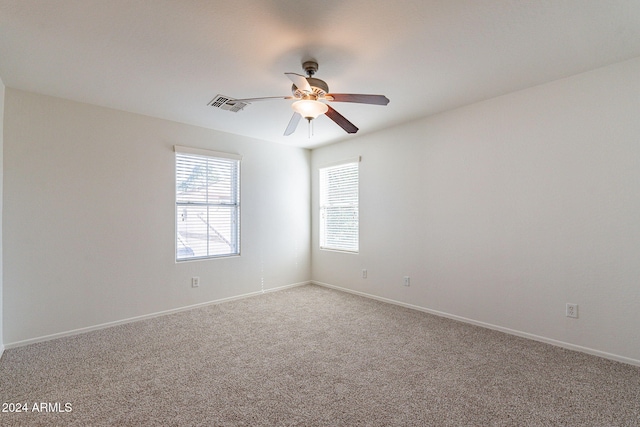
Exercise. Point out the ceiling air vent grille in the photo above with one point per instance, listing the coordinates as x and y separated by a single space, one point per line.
227 103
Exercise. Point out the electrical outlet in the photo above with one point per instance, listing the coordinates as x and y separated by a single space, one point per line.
195 282
407 280
572 310
364 273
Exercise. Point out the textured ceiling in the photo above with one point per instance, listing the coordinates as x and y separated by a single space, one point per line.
168 59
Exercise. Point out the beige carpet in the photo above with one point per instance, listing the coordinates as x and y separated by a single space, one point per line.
311 356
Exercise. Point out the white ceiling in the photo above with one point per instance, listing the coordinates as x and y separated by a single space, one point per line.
169 58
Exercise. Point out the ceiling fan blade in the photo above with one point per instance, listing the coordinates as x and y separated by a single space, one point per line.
293 124
341 120
265 98
300 82
359 98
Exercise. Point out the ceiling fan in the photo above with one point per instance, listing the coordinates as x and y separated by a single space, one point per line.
309 92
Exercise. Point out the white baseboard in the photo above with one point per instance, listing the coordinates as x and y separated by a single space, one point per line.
145 316
1 350
527 335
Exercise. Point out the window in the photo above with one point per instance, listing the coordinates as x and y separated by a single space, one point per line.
339 206
207 204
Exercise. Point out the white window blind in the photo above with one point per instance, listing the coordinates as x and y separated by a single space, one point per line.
339 227
207 204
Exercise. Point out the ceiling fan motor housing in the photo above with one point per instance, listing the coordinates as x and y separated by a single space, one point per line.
319 88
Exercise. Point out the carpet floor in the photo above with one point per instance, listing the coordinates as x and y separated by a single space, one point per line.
311 356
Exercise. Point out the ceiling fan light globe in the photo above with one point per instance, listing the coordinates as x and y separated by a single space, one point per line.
309 109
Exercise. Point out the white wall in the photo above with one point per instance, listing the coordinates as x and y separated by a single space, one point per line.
1 186
89 217
504 211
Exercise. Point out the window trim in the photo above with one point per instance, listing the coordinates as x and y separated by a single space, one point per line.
207 153
322 246
178 149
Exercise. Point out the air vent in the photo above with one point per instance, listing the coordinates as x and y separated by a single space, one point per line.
227 103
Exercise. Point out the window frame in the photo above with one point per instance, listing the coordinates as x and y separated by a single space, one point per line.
324 205
234 189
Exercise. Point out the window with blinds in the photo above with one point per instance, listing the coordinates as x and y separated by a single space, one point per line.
339 227
207 204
